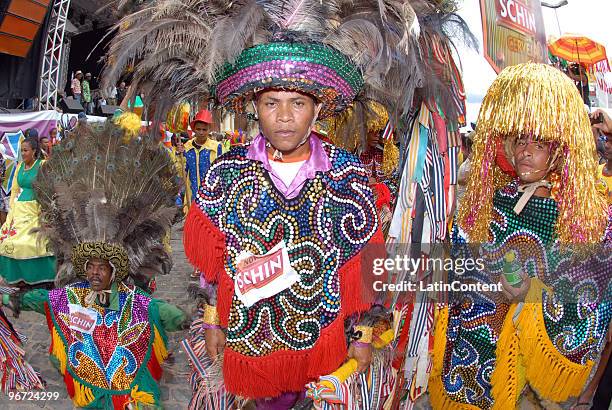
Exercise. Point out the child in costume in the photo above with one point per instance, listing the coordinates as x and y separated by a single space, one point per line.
107 204
200 152
545 236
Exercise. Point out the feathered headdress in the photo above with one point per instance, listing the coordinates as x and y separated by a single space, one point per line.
539 101
104 196
336 50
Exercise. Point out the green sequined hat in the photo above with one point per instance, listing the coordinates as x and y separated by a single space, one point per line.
315 69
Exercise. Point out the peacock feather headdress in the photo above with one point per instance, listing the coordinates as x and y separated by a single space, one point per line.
339 51
105 196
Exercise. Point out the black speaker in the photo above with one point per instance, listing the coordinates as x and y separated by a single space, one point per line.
72 106
108 110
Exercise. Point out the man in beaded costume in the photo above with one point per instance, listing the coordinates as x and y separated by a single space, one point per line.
288 198
106 205
549 222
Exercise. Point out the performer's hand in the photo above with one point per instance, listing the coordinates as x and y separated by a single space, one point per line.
516 294
606 125
363 356
215 342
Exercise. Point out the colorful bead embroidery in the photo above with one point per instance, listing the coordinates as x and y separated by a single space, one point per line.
330 221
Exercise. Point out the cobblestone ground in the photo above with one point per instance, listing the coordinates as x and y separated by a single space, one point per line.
175 388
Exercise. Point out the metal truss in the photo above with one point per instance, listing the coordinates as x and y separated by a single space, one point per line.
52 57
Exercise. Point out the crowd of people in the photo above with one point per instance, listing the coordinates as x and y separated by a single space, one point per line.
356 159
91 99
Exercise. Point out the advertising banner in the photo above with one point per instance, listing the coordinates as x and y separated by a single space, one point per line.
603 81
513 32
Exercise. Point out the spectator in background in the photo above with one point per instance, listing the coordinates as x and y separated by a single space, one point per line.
75 86
100 102
604 182
31 133
31 104
82 119
121 92
112 95
578 73
45 147
88 105
53 136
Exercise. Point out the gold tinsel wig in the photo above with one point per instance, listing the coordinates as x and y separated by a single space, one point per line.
539 101
347 131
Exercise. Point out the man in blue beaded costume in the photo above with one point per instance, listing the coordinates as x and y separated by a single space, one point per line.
538 229
199 153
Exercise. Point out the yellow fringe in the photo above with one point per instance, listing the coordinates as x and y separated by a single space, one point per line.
83 395
551 374
58 350
440 400
508 378
159 347
141 397
441 323
390 157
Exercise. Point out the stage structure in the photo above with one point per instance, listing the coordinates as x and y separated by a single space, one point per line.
52 58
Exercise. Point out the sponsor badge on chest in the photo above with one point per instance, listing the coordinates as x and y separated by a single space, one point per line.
82 319
262 276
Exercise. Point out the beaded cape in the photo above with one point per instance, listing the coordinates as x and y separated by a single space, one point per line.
482 336
119 363
282 342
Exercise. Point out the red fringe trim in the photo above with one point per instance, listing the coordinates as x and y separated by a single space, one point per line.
154 367
403 340
69 383
356 281
120 401
49 324
204 244
225 296
283 371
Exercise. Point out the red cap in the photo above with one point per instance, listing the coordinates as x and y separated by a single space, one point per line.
202 116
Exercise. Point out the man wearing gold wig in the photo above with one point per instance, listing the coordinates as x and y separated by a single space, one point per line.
544 234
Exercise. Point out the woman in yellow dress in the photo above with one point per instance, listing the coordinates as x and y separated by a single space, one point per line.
24 258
